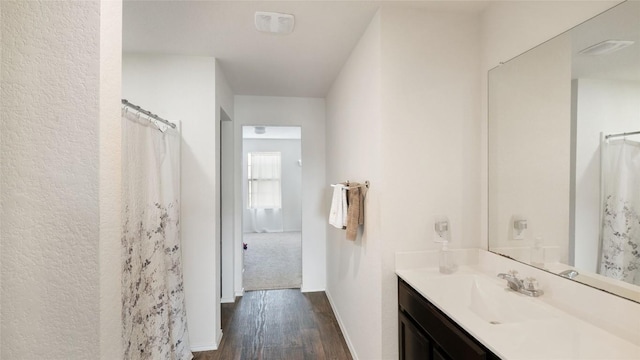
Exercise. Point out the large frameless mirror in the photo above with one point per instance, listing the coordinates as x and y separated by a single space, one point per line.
564 154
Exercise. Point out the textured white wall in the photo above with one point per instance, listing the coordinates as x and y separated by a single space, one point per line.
308 113
182 88
353 153
50 179
1 120
110 180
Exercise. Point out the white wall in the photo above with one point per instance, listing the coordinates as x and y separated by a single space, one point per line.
431 136
1 120
509 28
610 107
291 182
354 151
182 88
225 162
410 91
309 114
57 149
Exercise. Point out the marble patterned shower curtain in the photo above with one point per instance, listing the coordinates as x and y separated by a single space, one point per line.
620 235
153 307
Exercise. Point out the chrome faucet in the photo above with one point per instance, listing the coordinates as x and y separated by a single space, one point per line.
569 274
528 286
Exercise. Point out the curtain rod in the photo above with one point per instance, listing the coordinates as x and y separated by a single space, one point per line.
148 113
622 134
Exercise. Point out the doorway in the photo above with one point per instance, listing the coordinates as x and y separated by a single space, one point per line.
272 207
227 210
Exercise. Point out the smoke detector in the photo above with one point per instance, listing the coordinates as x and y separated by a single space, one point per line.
275 23
606 47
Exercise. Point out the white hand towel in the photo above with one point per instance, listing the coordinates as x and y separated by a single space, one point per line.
338 213
345 206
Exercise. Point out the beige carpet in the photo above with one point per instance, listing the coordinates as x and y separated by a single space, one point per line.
272 261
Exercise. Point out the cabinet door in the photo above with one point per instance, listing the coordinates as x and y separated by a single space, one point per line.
437 355
414 345
442 331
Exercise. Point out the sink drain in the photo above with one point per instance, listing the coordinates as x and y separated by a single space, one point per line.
495 322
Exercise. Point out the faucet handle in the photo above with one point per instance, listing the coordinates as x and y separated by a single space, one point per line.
531 283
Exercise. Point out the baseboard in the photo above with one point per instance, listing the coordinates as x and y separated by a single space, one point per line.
203 348
209 347
347 339
219 338
228 300
304 290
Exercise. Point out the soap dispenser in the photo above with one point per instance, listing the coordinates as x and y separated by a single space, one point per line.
447 264
537 253
442 235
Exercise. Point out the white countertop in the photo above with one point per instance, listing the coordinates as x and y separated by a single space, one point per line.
544 333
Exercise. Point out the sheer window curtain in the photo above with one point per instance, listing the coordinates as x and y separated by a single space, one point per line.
264 196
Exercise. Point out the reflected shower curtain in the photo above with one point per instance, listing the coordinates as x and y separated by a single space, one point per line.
620 235
153 310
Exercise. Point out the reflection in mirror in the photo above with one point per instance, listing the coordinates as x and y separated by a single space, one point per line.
564 179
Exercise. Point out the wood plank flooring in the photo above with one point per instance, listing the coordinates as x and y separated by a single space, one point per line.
278 325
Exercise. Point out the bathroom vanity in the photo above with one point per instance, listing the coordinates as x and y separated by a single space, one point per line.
473 314
424 332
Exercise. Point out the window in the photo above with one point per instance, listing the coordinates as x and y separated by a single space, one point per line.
263 175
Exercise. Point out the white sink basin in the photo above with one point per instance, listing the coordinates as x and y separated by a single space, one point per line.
513 325
488 299
502 307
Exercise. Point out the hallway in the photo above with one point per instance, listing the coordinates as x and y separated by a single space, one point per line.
279 324
272 261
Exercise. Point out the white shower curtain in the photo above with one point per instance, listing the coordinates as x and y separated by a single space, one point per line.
620 235
153 310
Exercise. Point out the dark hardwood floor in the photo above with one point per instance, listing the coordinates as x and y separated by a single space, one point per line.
279 324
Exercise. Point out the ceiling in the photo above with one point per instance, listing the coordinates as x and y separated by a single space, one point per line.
301 64
619 23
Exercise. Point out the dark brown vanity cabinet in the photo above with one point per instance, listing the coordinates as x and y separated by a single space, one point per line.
426 333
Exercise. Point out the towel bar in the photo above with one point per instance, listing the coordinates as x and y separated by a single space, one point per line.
366 184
